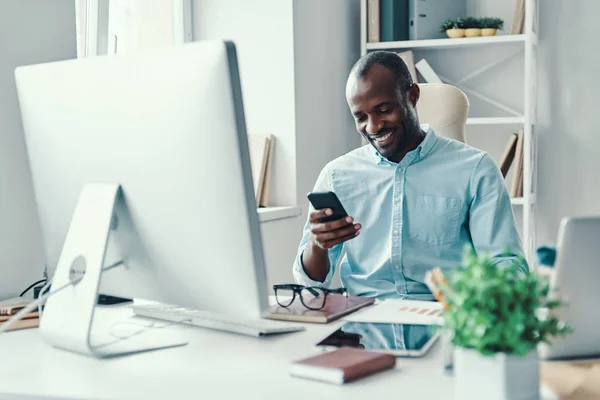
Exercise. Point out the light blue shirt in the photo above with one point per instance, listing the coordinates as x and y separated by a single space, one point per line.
415 215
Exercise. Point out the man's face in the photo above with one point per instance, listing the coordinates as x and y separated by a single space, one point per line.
383 117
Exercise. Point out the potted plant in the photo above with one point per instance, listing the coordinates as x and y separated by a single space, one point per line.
472 27
453 28
494 317
489 25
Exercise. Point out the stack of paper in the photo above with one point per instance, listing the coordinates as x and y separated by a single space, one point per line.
401 312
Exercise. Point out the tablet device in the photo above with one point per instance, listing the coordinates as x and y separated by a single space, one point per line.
402 340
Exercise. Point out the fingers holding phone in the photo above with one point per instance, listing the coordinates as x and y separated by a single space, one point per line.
330 225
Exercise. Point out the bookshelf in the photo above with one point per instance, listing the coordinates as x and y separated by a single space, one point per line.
525 119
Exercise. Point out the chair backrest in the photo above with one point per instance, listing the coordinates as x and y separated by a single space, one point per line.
445 108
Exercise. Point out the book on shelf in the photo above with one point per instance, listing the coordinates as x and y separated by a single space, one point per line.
261 158
509 154
516 188
393 20
409 59
373 28
263 200
518 20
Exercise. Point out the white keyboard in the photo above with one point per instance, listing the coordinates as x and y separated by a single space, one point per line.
207 319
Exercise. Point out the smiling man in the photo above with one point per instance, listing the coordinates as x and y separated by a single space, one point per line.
415 198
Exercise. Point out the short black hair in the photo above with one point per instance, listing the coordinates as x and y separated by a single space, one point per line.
389 60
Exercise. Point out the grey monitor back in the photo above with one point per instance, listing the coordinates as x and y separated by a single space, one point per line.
169 127
576 278
31 31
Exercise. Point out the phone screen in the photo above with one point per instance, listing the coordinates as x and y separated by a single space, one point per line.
322 200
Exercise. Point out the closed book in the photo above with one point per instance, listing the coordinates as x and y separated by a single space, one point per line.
258 146
516 189
266 185
33 314
394 20
25 323
342 365
336 306
373 28
409 59
509 154
13 306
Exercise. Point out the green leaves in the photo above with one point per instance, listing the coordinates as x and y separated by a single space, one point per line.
495 309
491 22
471 22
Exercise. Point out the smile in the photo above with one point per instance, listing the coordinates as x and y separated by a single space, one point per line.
383 139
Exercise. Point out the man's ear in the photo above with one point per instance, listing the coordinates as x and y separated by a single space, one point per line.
414 93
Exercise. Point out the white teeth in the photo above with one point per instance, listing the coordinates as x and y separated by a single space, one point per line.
384 137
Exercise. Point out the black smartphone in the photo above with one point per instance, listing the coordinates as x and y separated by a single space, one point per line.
321 200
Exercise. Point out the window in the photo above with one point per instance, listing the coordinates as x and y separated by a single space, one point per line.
119 26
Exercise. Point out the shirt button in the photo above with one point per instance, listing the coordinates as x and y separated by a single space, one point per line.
397 267
397 199
401 291
395 233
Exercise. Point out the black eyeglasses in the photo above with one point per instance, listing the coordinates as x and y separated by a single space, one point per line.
312 297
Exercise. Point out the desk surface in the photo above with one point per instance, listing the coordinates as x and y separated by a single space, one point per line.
221 365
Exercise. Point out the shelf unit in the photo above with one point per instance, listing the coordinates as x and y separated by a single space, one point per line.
525 42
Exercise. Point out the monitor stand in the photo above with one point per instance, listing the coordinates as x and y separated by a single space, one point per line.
68 315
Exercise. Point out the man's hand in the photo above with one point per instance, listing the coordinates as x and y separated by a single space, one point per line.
325 235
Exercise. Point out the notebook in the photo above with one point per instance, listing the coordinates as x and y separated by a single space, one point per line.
345 364
337 306
24 323
13 306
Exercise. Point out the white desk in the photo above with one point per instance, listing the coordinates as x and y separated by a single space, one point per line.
213 365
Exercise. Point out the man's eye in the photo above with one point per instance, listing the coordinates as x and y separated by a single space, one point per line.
360 119
385 110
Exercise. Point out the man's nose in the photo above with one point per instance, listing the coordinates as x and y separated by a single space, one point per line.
374 125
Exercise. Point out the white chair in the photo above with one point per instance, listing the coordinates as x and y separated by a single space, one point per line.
445 108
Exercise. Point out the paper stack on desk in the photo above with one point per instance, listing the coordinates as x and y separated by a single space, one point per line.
401 311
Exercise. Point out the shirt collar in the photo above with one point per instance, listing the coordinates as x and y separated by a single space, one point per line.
421 151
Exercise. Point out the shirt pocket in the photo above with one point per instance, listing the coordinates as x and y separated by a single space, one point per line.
436 220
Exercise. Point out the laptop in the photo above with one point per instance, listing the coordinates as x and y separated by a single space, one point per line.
576 279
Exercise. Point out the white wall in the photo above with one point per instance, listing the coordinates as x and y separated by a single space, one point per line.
294 59
569 142
326 46
263 33
31 32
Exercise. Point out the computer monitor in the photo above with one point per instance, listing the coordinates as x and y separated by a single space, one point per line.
575 279
162 137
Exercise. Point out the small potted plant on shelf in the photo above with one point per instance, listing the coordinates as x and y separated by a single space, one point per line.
453 28
495 317
489 25
472 27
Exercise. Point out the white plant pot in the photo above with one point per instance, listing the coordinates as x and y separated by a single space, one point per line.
497 377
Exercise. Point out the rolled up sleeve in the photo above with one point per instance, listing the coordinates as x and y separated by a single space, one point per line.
492 221
322 185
